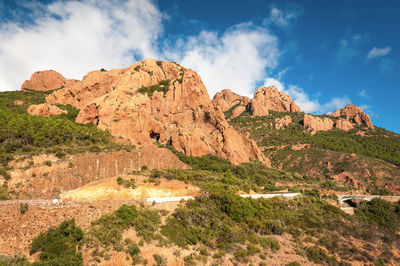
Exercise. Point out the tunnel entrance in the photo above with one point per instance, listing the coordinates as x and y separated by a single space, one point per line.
351 203
155 135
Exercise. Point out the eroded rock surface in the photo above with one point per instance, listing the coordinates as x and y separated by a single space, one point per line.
313 124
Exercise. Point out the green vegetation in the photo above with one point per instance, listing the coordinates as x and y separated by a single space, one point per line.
126 183
381 213
23 208
21 133
378 143
107 231
162 86
58 246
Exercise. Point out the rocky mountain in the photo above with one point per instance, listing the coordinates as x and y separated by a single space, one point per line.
147 102
90 172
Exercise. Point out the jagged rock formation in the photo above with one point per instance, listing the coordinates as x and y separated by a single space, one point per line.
354 114
265 99
313 124
156 101
270 98
46 81
45 110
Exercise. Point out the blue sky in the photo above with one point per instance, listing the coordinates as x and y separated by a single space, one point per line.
325 54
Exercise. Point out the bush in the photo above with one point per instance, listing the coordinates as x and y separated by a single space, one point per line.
23 207
108 229
58 245
381 213
160 260
60 154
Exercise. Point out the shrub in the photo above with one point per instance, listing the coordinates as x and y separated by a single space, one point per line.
379 212
58 245
60 154
160 260
48 163
23 207
108 229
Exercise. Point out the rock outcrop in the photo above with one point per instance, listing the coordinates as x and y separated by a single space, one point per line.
157 101
265 99
313 124
344 124
226 99
281 123
354 114
46 81
270 98
45 110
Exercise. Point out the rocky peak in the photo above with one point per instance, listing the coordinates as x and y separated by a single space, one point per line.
265 99
270 98
226 99
157 101
354 114
46 81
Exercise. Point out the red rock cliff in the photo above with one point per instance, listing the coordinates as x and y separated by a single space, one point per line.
178 112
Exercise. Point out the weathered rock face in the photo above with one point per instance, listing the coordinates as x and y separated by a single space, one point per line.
45 110
179 113
344 124
46 81
281 123
354 114
270 98
313 124
43 181
226 99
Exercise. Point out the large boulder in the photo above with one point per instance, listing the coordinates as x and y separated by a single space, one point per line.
157 101
283 122
313 124
344 124
354 114
45 110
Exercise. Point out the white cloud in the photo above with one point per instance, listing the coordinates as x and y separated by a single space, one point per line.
269 82
363 93
75 37
376 52
303 100
237 59
284 17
